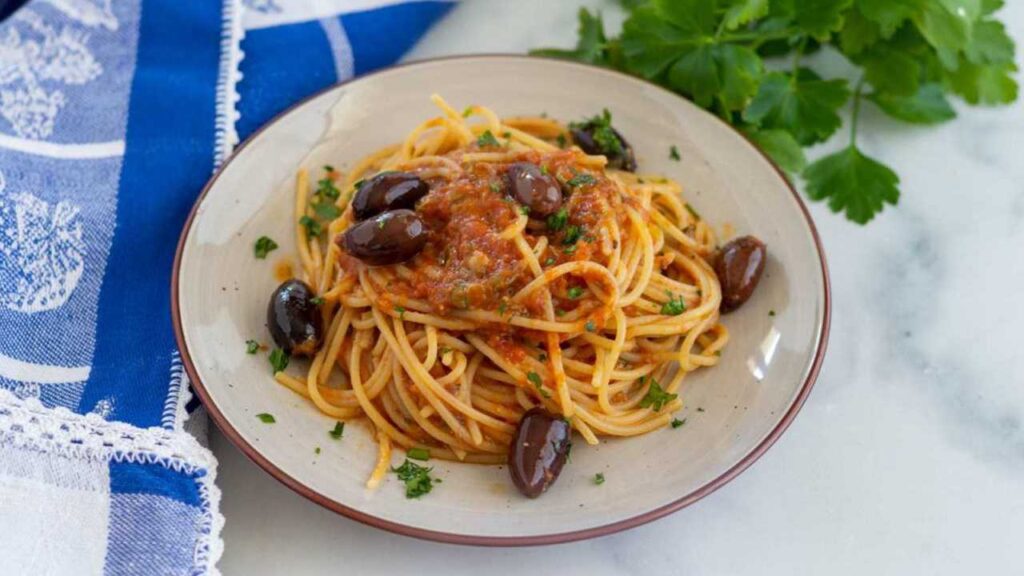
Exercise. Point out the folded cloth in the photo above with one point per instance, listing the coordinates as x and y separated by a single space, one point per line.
112 116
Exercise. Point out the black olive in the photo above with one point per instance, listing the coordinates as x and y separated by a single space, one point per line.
388 191
739 267
536 190
295 322
389 238
538 452
620 157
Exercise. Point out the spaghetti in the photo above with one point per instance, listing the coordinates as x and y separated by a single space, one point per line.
596 313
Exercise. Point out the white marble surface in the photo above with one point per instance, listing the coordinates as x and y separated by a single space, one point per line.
908 458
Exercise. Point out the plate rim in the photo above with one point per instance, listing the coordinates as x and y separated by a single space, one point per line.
255 456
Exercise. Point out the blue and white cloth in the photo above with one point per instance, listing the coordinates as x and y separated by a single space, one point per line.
112 116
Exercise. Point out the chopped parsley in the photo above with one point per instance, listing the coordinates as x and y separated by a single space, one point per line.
590 326
558 220
326 210
676 422
692 211
534 378
327 189
570 249
674 307
561 141
502 307
252 346
673 153
339 429
656 398
495 186
550 261
264 246
421 454
401 311
417 479
572 234
574 292
699 409
468 111
317 301
771 312
543 357
266 418
316 450
601 130
487 139
581 179
312 226
544 170
278 360
524 210
599 478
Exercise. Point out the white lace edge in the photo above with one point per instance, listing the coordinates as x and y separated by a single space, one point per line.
28 425
227 82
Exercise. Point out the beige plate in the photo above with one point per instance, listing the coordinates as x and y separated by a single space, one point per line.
733 412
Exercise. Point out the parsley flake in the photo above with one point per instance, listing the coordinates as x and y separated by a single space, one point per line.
599 478
317 301
487 139
656 398
339 429
326 210
581 179
572 234
316 450
278 360
574 292
674 307
558 220
534 378
467 112
590 326
252 346
417 479
266 418
421 454
561 141
264 245
401 312
312 227
673 153
676 422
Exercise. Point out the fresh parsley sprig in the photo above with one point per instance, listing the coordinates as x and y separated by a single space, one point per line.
744 61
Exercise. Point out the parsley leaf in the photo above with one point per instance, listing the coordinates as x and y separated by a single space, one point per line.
656 398
266 418
278 360
252 346
487 139
264 245
781 147
744 11
401 312
673 153
926 106
417 479
327 189
317 301
590 326
590 47
339 429
558 220
806 108
599 478
676 422
853 183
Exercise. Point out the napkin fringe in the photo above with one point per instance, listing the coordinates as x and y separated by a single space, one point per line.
26 424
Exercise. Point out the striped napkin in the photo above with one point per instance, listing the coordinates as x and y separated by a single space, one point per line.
112 116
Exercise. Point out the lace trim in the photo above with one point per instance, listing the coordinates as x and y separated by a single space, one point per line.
27 425
227 81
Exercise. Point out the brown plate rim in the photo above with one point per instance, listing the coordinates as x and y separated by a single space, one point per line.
447 537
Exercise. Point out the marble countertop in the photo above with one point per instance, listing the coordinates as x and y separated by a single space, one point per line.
908 457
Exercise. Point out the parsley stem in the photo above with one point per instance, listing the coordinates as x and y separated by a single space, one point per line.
855 114
759 37
797 55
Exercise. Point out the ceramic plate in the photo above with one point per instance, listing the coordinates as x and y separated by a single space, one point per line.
733 412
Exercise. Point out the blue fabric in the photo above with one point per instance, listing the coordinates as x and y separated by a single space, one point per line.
112 117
